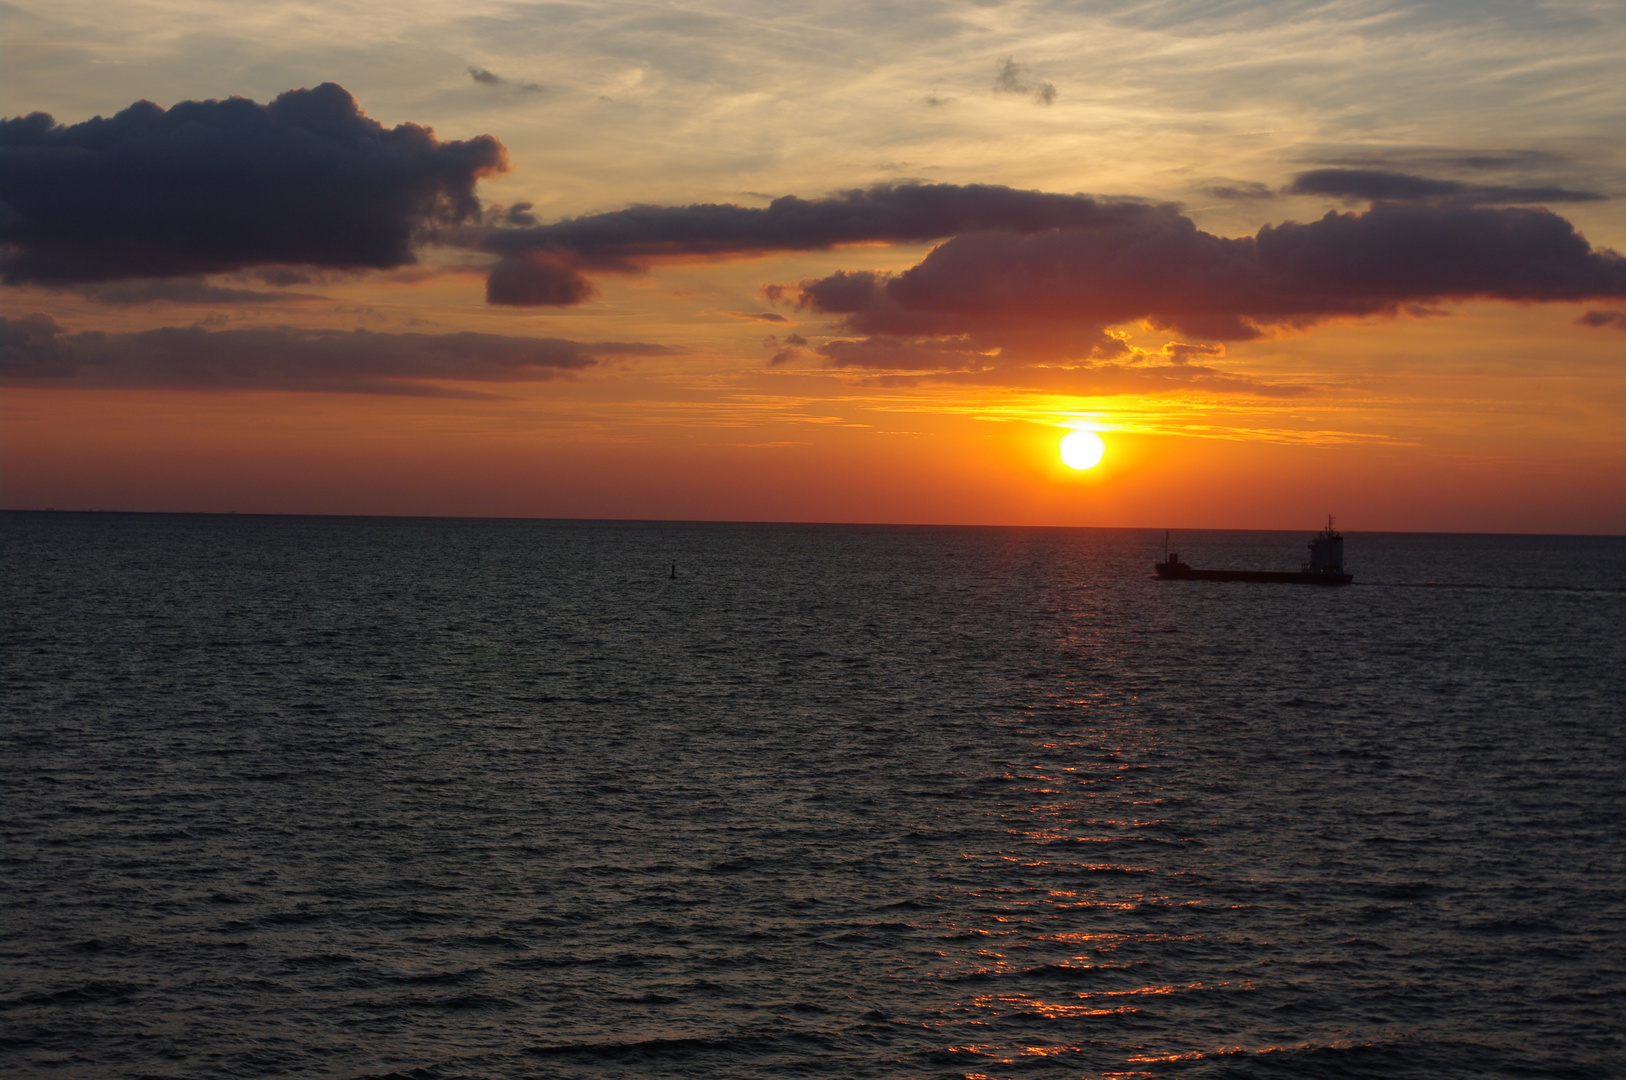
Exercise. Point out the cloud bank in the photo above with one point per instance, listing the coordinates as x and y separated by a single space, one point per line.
544 265
35 351
211 186
1055 293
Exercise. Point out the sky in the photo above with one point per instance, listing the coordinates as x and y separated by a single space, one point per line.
854 262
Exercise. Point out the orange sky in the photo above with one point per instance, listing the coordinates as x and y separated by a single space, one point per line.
1459 414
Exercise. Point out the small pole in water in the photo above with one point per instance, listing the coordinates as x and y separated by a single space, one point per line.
674 572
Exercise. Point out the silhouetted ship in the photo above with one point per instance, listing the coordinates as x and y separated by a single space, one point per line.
1326 565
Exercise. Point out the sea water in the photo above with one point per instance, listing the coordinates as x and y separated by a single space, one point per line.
354 798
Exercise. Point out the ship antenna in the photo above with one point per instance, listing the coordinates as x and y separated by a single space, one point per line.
1165 545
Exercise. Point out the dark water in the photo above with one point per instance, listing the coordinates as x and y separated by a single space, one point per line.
346 798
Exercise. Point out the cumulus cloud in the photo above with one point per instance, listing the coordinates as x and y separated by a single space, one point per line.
1056 292
36 351
547 264
1373 185
211 186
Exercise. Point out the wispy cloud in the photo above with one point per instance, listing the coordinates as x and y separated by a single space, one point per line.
486 77
1013 79
36 351
185 291
1607 318
1368 185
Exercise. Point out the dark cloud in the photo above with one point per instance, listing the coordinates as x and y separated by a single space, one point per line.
547 262
529 281
1615 319
1240 190
1371 185
284 275
1471 160
518 216
491 78
1012 79
35 351
1053 294
211 186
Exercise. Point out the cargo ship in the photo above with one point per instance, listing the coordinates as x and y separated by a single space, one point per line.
1326 565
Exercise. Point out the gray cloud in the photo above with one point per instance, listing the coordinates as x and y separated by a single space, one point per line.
486 77
1012 79
546 265
1034 298
35 351
212 186
1370 185
1615 319
1237 190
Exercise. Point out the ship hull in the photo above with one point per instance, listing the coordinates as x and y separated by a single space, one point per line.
1181 572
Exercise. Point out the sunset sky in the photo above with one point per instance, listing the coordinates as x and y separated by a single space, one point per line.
819 262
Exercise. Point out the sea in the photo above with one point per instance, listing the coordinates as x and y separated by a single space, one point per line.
424 798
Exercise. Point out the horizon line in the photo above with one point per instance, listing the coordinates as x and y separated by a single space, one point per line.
745 521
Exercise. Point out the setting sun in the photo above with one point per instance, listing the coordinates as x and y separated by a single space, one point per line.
1082 450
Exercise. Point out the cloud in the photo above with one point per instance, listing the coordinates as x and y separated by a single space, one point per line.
529 281
1048 295
794 348
1012 80
212 186
1239 190
1134 371
1615 319
491 78
35 351
1468 159
544 265
1382 185
185 291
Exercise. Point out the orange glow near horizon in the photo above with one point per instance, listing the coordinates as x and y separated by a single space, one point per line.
713 432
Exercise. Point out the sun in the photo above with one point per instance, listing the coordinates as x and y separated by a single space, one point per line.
1082 450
